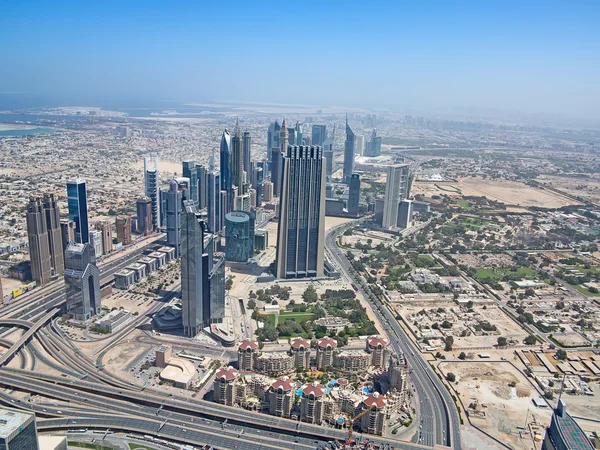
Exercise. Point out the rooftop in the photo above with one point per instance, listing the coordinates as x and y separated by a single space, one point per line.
11 420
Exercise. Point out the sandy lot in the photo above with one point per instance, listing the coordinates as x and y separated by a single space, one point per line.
505 407
163 166
586 188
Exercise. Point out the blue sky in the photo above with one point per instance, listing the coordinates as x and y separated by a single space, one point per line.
523 56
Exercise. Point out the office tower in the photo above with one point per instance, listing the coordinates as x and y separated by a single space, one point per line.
225 164
237 159
291 136
252 194
82 279
107 234
152 183
143 207
123 225
202 177
78 210
18 430
360 144
354 194
405 214
349 147
189 171
268 191
37 234
301 232
564 433
173 209
239 236
272 140
242 202
396 183
213 198
328 154
67 232
52 216
276 172
223 209
298 134
258 184
319 134
162 199
247 151
96 242
373 147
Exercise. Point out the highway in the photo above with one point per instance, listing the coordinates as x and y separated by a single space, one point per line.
439 423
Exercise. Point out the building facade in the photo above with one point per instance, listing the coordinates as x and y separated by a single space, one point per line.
396 189
189 171
18 430
349 149
123 226
239 236
152 188
354 195
39 248
78 209
82 279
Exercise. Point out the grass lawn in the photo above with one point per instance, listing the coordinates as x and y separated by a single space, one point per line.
593 271
499 273
297 316
584 291
76 444
464 204
138 446
271 320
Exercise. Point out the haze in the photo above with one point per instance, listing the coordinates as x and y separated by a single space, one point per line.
540 57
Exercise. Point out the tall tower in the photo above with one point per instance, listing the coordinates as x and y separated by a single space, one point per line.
189 171
193 273
202 177
298 133
213 197
246 151
78 209
37 233
395 190
82 279
225 163
349 153
354 194
319 134
237 159
151 180
52 215
301 232
277 160
123 226
174 206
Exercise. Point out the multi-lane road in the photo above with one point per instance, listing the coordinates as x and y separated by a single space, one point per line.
439 423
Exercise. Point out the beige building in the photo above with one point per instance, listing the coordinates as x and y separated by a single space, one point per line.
107 236
311 403
326 348
374 420
163 354
247 355
300 350
275 363
281 397
352 360
224 386
376 346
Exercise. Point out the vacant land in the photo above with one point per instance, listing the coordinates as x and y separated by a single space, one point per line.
502 407
588 188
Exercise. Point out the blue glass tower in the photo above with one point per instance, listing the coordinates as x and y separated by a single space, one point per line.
189 171
78 209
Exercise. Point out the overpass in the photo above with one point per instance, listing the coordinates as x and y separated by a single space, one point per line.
16 323
8 354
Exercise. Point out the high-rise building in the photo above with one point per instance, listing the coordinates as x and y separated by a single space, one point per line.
189 171
239 236
360 144
268 191
298 134
37 234
202 176
301 232
67 232
354 194
52 215
18 430
143 207
107 235
272 141
78 209
349 148
213 199
237 159
405 214
291 136
277 160
319 134
564 433
96 242
226 170
396 183
328 154
174 207
123 226
246 151
152 188
82 279
373 146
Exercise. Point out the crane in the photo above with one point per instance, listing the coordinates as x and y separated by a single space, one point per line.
352 419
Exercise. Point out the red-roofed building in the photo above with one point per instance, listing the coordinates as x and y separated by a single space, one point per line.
313 403
247 354
300 349
281 397
376 346
374 420
224 389
326 347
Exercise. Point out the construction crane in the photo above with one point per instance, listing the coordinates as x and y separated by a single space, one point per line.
352 419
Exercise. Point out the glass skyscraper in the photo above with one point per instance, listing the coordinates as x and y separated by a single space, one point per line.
78 209
349 149
82 279
239 236
319 134
189 171
151 180
354 194
225 164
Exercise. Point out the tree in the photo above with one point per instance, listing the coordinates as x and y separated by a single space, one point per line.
462 355
251 303
310 294
502 341
229 284
561 354
560 305
449 341
530 340
450 377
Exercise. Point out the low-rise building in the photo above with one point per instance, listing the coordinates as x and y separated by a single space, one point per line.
162 355
160 257
138 269
169 253
124 279
150 263
113 320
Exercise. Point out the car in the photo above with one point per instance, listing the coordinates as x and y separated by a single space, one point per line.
59 412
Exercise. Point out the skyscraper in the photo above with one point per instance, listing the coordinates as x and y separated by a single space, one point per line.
18 430
349 153
189 171
291 136
96 242
82 279
301 232
151 179
405 214
237 159
143 207
272 141
107 235
319 134
354 194
360 144
173 210
328 154
239 236
276 163
246 151
37 234
373 147
67 232
225 164
123 226
202 176
78 209
213 205
52 215
395 190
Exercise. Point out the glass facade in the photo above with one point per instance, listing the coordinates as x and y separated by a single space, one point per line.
239 236
78 209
